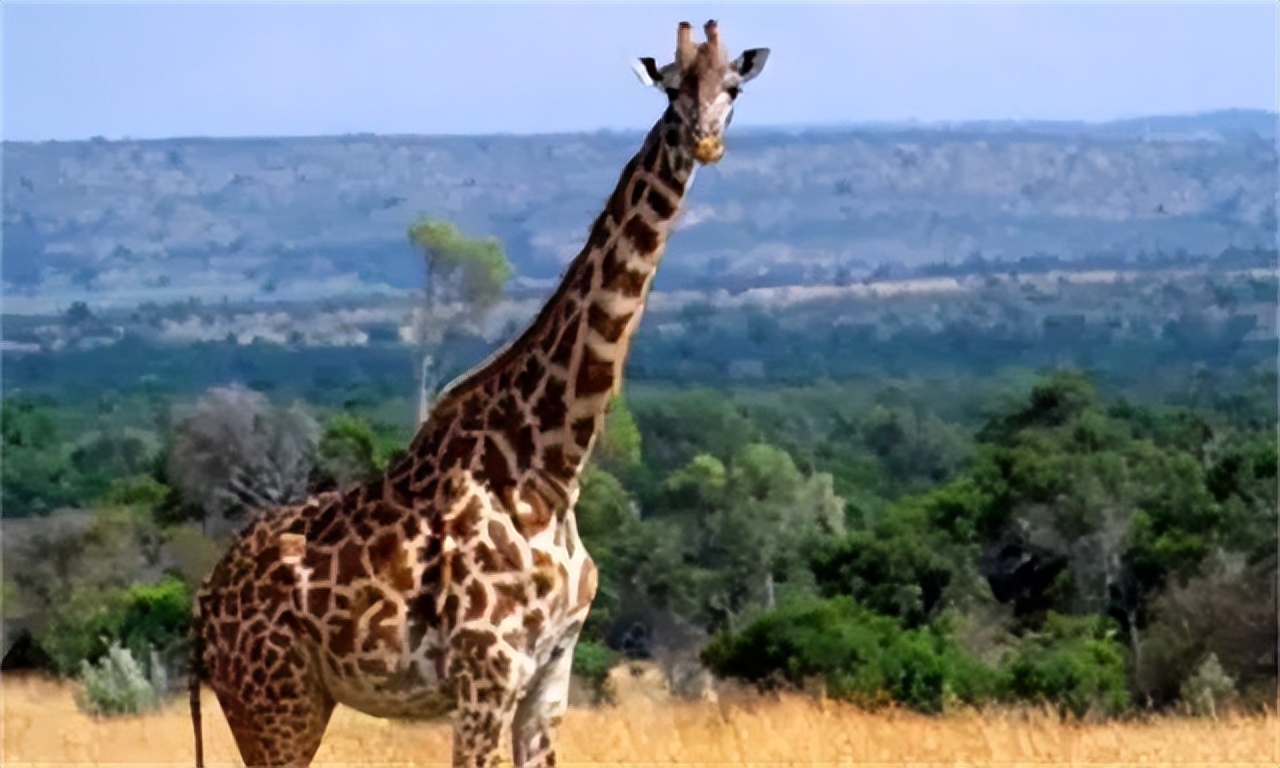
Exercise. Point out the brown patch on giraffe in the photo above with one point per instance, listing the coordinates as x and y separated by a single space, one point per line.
281 578
533 623
662 206
477 601
563 353
595 376
667 174
622 278
505 416
266 559
391 562
555 463
459 568
349 563
551 408
318 601
471 414
653 154
421 617
382 629
600 233
526 381
608 326
450 610
638 188
401 487
525 444
494 464
506 552
642 235
586 278
568 309
583 429
320 565
544 581
458 451
342 638
466 521
617 206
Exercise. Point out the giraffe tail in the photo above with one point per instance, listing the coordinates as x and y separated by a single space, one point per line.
193 688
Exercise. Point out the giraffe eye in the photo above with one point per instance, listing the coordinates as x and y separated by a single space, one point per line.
733 91
672 93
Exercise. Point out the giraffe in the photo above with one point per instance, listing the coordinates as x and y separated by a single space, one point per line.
456 584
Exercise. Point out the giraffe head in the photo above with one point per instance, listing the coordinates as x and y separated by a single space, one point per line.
702 85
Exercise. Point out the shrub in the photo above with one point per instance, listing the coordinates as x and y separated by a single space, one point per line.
142 617
592 662
136 490
117 684
862 656
1073 664
1205 691
155 616
81 628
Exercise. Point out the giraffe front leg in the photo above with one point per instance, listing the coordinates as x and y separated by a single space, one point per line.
485 711
542 708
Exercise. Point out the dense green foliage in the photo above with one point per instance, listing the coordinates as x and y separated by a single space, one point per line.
933 521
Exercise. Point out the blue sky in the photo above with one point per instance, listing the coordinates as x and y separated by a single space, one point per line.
147 70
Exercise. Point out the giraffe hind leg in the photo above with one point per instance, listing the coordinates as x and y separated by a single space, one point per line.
277 721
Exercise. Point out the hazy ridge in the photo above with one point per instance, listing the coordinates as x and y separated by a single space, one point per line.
123 222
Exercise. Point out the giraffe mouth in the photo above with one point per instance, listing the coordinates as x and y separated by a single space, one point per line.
708 150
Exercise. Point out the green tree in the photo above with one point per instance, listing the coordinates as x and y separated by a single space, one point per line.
349 451
464 280
36 478
618 450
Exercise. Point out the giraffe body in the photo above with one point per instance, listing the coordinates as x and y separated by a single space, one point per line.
457 583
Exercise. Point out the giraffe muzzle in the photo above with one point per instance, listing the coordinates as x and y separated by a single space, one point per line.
708 150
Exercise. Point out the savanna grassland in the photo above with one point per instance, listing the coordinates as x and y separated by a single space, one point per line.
1012 504
43 726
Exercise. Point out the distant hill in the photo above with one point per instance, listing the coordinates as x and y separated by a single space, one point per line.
125 222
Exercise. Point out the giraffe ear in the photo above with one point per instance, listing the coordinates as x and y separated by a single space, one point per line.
647 70
750 63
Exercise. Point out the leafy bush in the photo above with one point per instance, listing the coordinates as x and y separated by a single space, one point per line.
1205 691
142 617
117 685
1074 664
155 616
592 662
136 490
861 655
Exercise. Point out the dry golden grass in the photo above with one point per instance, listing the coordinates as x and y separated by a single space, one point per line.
42 727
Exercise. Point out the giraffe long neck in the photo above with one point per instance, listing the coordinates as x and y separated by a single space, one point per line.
536 406
588 337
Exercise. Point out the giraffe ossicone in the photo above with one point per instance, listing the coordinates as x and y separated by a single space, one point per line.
457 583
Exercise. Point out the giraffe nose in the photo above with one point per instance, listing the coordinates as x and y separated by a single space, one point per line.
709 149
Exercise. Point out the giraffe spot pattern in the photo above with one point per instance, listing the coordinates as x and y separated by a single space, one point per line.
395 588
